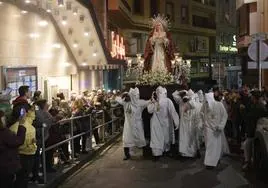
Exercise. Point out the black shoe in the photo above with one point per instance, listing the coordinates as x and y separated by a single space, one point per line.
210 167
126 158
84 152
198 154
37 180
40 181
51 170
156 158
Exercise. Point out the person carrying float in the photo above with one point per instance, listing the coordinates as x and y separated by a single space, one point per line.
214 118
188 120
163 121
133 133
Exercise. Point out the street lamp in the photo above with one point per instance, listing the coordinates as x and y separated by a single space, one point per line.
188 62
138 56
141 63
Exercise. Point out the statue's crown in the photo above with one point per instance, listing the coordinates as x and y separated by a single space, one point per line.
160 19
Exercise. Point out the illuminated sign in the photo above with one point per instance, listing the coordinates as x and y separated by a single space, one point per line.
227 48
232 48
118 49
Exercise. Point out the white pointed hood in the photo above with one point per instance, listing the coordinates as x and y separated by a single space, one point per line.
200 96
134 95
209 97
190 94
161 92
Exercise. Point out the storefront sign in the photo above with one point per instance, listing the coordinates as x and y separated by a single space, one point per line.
230 47
227 48
118 50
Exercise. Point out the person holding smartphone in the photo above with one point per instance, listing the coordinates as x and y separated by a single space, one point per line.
9 157
28 149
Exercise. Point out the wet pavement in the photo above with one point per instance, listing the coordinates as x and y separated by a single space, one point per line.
110 171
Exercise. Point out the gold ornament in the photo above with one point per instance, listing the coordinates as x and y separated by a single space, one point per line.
160 19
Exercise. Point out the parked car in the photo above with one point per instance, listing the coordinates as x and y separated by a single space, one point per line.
261 145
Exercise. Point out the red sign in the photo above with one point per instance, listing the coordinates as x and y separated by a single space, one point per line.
118 47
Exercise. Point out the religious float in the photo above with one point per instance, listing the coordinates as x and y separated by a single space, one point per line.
160 65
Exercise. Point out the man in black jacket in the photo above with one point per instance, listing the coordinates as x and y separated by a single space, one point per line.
9 157
254 112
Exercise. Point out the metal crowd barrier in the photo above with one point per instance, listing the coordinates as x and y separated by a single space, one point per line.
72 136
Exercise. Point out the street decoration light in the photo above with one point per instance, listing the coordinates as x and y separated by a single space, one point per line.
181 69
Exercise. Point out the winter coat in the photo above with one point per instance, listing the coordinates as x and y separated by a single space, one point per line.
254 113
9 143
82 124
29 146
45 117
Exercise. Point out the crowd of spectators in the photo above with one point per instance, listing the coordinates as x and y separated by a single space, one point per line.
21 131
244 107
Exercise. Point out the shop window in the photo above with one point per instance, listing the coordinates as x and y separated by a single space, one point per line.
16 77
184 14
204 67
138 6
154 7
170 11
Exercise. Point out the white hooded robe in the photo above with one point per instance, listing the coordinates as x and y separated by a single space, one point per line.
214 118
162 127
188 125
133 133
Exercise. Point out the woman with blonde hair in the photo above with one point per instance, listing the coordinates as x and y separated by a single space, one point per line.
80 125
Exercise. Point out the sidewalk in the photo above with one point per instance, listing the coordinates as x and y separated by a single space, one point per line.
64 171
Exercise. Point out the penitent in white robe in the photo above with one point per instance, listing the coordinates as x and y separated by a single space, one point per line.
188 127
133 133
162 127
214 118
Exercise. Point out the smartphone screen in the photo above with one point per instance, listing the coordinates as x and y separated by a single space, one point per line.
22 112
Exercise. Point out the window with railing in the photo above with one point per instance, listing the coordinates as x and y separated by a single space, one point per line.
204 22
184 14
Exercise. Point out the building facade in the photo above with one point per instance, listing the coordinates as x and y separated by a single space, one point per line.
252 19
193 27
226 64
52 46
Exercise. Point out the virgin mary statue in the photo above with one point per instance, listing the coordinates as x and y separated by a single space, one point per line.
159 50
